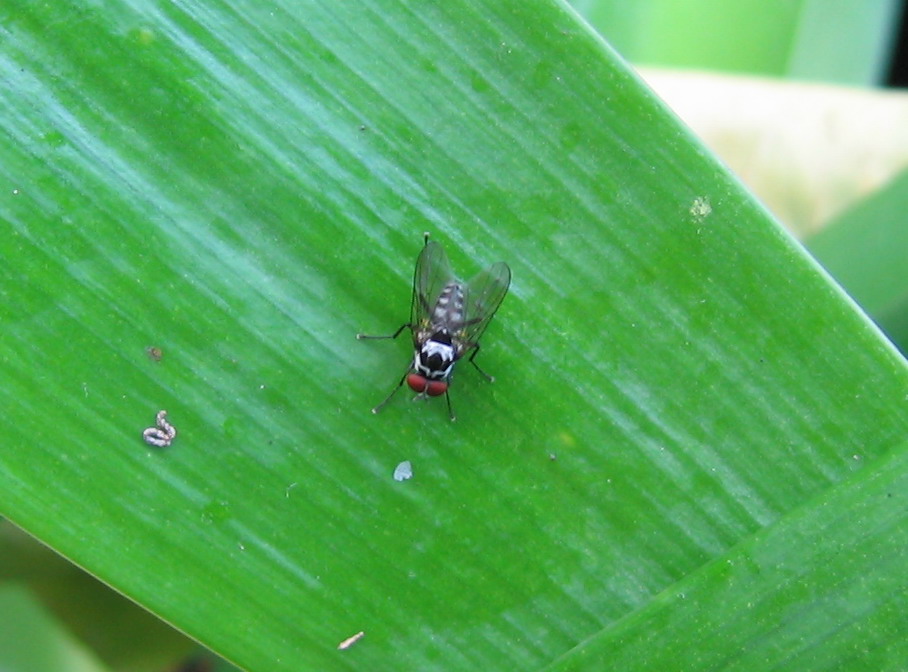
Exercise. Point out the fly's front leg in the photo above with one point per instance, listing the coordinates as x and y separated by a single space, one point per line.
491 379
450 410
424 396
396 388
363 337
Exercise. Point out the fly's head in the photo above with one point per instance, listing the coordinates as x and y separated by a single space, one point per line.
432 364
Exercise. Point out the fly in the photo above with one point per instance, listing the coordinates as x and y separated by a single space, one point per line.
447 317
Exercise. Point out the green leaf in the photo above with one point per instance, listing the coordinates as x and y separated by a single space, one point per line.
31 641
865 249
117 631
821 589
847 42
244 187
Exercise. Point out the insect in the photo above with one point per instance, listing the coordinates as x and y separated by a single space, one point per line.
447 317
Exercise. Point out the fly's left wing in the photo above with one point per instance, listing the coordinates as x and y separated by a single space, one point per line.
483 294
433 272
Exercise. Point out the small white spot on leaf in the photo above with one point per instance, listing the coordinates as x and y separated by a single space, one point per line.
404 471
701 208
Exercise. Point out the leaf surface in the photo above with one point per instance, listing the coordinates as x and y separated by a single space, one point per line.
244 187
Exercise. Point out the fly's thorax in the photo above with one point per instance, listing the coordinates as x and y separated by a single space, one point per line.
435 356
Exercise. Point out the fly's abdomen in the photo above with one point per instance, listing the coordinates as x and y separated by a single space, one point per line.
448 311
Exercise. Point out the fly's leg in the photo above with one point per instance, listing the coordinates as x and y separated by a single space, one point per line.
450 410
396 387
424 396
363 337
491 379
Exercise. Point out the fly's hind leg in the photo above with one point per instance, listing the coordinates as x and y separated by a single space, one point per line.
491 379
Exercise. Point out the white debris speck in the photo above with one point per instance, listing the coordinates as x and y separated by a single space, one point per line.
350 641
403 471
701 208
162 434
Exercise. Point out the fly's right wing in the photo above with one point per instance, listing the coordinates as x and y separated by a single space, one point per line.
484 294
433 272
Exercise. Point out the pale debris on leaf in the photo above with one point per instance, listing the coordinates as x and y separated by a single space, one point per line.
162 434
350 641
403 471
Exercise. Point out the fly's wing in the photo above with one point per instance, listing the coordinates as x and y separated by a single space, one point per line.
432 273
483 295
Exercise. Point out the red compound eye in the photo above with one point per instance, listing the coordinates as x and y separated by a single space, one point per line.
422 385
417 383
437 388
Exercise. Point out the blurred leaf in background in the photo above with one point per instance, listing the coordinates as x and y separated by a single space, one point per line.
865 249
117 631
30 639
843 42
